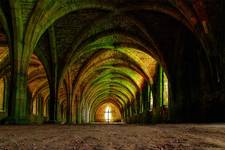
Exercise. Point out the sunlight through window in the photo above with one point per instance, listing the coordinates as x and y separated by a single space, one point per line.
108 114
1 95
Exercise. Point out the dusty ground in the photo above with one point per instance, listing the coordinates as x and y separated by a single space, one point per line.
113 137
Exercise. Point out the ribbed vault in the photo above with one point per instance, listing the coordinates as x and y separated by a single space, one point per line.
104 51
119 72
63 59
38 86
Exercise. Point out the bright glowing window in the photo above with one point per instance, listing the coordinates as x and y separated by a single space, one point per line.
165 90
1 95
35 107
108 114
151 101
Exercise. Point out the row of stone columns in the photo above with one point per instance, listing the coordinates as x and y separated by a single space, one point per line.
140 110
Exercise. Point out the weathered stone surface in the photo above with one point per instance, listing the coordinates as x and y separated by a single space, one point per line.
183 136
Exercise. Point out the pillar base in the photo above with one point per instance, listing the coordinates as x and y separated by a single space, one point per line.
20 121
156 118
53 122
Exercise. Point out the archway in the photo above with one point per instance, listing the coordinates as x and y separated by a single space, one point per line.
148 27
108 112
5 69
38 87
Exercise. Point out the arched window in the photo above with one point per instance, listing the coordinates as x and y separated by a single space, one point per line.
151 101
35 106
165 90
108 114
2 94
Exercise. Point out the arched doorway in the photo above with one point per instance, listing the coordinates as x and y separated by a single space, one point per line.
5 69
108 113
38 90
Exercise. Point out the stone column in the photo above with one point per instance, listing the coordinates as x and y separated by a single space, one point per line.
40 106
18 105
53 104
18 109
157 96
54 83
145 102
78 114
68 110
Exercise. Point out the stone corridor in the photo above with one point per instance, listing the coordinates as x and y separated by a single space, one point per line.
146 67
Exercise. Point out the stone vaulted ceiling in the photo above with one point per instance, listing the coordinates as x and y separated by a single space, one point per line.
90 51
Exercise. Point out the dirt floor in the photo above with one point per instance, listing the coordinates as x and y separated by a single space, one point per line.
124 137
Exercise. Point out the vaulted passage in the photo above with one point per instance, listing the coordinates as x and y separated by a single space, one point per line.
118 61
